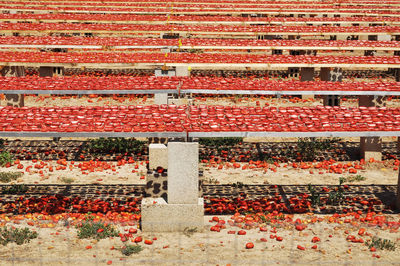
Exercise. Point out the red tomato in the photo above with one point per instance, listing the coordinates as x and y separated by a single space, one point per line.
249 245
300 247
241 232
148 242
315 239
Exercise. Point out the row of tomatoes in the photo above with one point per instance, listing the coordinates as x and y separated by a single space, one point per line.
300 203
195 28
122 41
167 9
182 18
188 58
185 83
202 118
222 5
61 204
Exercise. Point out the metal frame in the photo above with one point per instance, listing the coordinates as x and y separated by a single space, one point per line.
283 134
217 92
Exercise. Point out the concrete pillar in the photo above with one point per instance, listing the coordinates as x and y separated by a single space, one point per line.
182 71
184 209
293 72
158 156
165 73
183 172
45 71
397 74
370 101
398 143
16 100
50 71
370 147
334 75
161 98
307 74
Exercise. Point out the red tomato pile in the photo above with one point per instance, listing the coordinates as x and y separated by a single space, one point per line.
187 84
193 28
202 118
300 203
189 8
208 5
61 204
132 17
188 58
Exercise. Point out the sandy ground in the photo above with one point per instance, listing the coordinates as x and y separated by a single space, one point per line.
297 176
60 246
374 173
229 101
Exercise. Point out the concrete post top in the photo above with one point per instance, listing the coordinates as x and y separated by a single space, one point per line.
188 144
157 145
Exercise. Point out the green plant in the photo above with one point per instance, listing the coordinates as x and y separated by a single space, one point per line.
14 189
5 157
315 196
238 185
189 231
115 145
215 142
16 235
128 249
308 148
355 178
380 243
2 143
97 230
335 197
67 180
269 160
6 177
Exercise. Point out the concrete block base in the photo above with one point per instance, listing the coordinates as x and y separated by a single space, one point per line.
371 147
377 156
158 156
158 216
